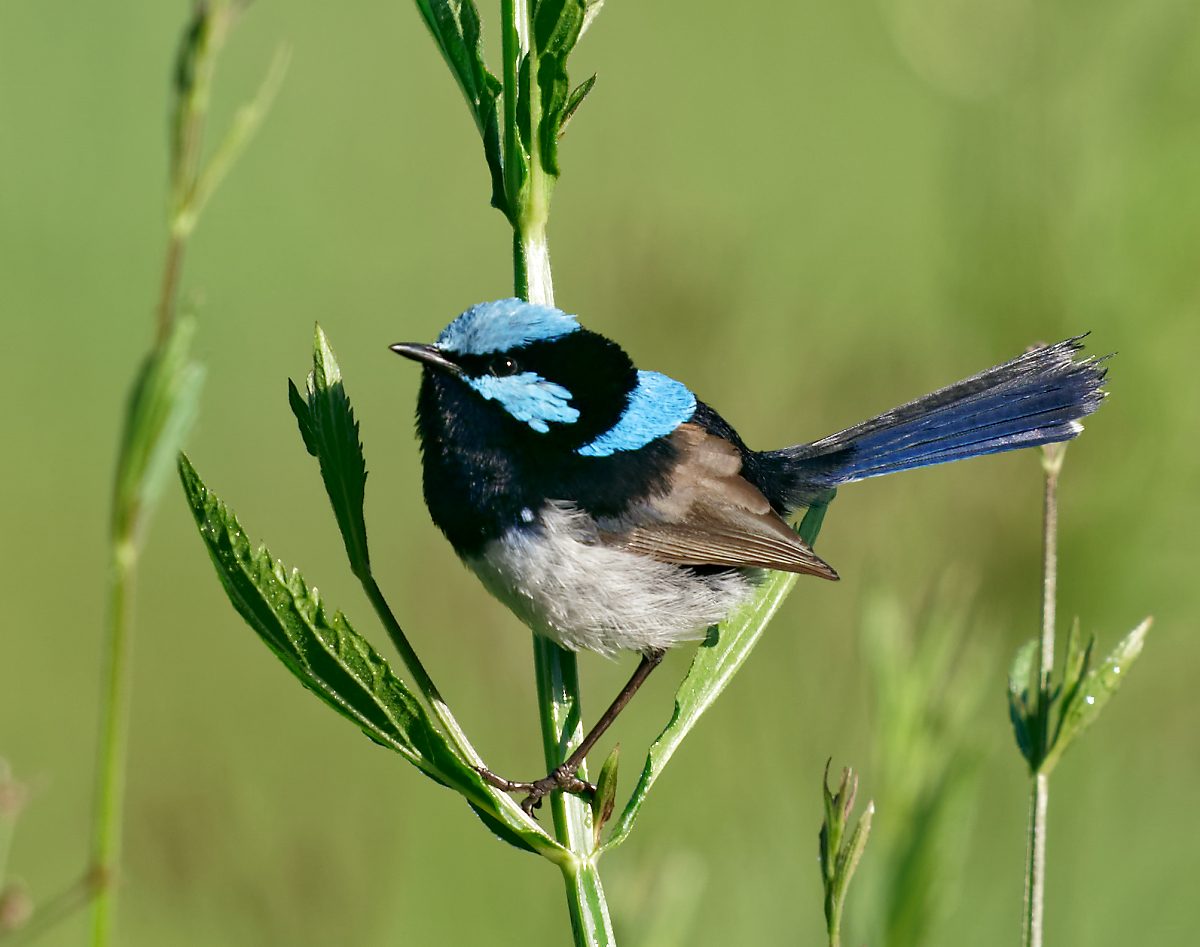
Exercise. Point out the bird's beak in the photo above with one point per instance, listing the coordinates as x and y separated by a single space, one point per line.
429 354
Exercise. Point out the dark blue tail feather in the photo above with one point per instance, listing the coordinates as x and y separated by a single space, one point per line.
1037 398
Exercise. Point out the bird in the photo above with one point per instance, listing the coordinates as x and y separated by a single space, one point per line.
612 510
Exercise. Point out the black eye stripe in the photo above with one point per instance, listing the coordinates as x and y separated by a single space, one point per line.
500 364
503 365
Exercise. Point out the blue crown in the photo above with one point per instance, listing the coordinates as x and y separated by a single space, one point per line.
504 325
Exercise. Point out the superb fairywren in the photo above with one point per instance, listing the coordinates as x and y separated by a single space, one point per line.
612 510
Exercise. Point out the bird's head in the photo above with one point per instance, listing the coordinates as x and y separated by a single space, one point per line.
511 371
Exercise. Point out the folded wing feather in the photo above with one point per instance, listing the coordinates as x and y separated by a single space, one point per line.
713 516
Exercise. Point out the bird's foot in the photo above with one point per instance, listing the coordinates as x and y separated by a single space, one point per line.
562 778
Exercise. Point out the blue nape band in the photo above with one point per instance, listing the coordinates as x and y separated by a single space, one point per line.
657 405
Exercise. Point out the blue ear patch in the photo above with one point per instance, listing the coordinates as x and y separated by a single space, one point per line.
657 406
504 325
529 397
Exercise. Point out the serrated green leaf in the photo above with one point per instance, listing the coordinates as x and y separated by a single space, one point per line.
330 433
574 100
162 405
320 649
605 797
1083 706
332 660
713 667
455 27
1020 710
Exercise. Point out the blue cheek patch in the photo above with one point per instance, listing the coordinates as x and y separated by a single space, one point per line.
657 406
530 398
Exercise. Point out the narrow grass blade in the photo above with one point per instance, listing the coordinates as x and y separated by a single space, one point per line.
332 660
330 432
713 667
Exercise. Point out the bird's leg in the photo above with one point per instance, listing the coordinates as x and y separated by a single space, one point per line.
564 777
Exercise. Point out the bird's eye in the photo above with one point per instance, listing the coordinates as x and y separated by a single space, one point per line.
503 365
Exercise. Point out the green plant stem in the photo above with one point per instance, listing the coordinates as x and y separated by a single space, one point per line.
172 267
421 678
1035 867
562 728
555 669
114 738
115 700
452 728
559 710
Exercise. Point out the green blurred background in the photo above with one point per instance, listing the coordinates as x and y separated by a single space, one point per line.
808 211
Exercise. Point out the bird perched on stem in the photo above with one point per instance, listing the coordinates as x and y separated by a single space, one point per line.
612 510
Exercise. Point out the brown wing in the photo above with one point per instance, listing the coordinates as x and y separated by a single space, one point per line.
714 516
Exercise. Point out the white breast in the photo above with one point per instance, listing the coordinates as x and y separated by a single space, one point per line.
558 579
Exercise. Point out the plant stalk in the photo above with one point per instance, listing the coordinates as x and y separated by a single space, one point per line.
1035 867
195 65
424 682
114 740
556 670
559 702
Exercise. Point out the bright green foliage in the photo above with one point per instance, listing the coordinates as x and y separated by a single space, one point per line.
1086 690
556 28
333 661
330 433
162 406
840 855
716 661
319 648
1074 703
536 59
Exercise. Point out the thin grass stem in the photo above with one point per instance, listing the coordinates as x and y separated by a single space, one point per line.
421 678
114 741
1035 866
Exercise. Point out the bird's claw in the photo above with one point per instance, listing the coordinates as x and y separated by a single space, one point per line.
561 779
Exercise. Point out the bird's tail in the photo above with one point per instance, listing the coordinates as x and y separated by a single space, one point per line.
1037 398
